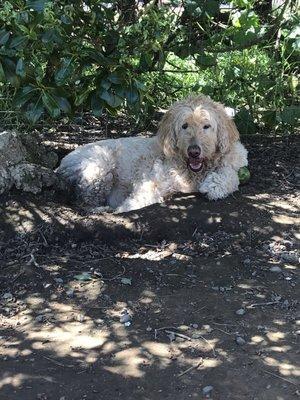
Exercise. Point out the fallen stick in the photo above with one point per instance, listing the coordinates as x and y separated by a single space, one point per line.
181 335
268 303
191 368
58 363
280 377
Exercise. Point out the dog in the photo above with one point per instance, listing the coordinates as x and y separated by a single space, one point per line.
196 149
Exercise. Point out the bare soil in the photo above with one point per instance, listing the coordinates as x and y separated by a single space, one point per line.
182 270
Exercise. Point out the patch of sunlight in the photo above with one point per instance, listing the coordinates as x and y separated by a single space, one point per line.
244 286
174 207
212 220
284 368
285 219
275 336
157 349
18 379
210 363
279 322
284 205
151 255
256 339
129 361
280 349
68 335
34 301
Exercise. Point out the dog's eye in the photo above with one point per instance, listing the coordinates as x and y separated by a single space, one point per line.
184 126
206 126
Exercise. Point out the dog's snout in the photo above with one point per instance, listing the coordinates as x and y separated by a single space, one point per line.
194 151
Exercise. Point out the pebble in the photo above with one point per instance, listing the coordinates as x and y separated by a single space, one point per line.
207 389
80 317
241 311
289 257
240 341
275 269
70 293
40 318
7 296
196 335
195 326
59 280
148 329
125 318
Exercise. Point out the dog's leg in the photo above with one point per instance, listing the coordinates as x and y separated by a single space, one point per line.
144 194
220 183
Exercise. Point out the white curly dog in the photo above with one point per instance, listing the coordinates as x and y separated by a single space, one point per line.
197 148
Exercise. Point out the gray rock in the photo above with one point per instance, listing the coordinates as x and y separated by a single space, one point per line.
241 311
240 341
22 168
125 318
290 257
40 318
207 390
7 296
275 269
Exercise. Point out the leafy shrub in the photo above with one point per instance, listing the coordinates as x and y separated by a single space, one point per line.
58 57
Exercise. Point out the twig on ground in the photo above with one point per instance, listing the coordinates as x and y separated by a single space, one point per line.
33 261
268 303
191 368
58 363
162 329
181 335
210 345
280 377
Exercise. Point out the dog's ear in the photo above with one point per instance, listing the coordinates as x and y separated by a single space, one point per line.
167 135
227 131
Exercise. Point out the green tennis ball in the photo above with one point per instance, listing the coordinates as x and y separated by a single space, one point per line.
244 175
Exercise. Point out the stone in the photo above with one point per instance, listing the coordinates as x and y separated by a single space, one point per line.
207 390
275 269
240 341
241 311
23 168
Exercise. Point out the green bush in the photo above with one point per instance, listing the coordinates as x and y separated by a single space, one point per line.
59 57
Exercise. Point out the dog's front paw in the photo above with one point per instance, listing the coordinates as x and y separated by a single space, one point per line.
213 186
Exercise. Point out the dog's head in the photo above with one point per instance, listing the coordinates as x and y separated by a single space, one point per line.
196 130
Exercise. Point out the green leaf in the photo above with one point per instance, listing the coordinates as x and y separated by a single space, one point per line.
245 123
37 5
132 95
20 68
24 95
105 84
4 36
64 104
2 73
113 100
114 78
96 105
18 42
61 76
34 111
10 71
290 115
81 97
51 104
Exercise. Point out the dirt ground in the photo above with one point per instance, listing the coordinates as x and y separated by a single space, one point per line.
187 300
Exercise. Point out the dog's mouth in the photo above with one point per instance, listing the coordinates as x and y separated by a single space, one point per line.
195 164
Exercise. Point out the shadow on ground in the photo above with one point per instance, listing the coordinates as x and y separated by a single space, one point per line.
181 270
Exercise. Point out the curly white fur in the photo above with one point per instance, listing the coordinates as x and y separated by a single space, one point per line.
130 173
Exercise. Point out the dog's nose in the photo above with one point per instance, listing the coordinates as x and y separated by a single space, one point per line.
194 151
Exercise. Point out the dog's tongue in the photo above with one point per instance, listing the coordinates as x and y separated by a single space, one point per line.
195 164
